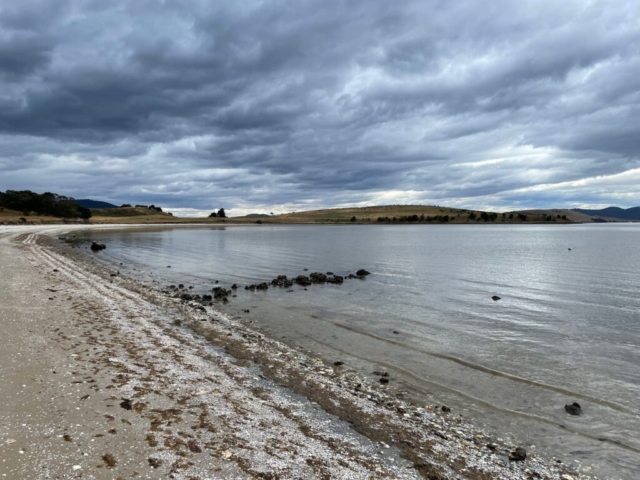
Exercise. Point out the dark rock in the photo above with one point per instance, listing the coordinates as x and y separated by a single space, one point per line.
282 281
317 277
303 280
181 286
351 276
186 296
306 269
329 273
246 311
336 280
495 298
573 409
155 462
234 286
445 409
262 286
126 404
384 380
207 298
338 363
518 455
97 246
395 332
194 447
362 273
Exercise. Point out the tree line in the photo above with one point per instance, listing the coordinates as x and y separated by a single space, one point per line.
47 203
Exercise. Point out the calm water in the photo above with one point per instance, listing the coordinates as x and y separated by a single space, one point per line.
567 328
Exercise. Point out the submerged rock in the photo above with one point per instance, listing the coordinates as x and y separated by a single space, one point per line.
97 246
495 298
336 280
362 273
303 280
573 409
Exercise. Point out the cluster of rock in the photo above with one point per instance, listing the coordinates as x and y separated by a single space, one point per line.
220 294
304 281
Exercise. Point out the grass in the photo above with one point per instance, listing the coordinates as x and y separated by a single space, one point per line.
364 215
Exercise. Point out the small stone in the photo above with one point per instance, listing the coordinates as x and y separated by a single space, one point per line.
10 441
227 454
573 409
495 298
76 467
445 409
518 455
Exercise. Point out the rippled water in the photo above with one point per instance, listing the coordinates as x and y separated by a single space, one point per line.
566 329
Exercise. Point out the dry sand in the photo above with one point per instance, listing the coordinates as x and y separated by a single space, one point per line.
102 377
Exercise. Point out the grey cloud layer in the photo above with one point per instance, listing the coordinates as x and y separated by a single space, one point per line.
255 104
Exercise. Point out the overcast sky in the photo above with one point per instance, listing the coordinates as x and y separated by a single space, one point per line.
260 106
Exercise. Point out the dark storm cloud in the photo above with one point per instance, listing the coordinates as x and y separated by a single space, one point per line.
281 105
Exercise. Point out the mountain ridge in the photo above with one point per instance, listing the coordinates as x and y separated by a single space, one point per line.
632 213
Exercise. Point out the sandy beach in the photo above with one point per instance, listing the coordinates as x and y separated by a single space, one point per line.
103 377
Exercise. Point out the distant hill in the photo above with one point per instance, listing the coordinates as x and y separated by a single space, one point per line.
413 214
87 203
613 212
257 215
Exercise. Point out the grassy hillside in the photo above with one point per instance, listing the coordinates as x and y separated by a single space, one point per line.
409 214
376 215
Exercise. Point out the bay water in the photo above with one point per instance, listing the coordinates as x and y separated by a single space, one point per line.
566 327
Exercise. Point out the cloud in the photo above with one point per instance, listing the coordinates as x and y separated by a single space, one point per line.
280 106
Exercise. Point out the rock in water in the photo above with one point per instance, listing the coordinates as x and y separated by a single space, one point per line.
96 246
362 273
495 298
518 455
573 409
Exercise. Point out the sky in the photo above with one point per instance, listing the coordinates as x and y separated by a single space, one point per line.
280 106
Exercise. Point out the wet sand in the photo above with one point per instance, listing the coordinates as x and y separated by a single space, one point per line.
103 377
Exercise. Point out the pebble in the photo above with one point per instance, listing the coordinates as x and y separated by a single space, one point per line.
76 467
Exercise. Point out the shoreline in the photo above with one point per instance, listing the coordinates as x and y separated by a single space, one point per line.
211 393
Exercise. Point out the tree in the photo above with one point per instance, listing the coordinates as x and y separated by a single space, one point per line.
221 213
213 215
353 219
85 213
